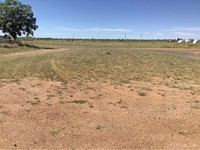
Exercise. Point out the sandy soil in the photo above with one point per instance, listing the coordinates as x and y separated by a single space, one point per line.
40 114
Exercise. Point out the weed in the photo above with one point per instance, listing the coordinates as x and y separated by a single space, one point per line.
184 133
77 101
4 112
56 131
196 101
22 88
123 107
59 91
195 107
91 105
34 102
162 94
62 102
142 93
36 98
99 127
51 95
120 101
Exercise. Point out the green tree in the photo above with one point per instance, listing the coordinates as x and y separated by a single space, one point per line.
16 18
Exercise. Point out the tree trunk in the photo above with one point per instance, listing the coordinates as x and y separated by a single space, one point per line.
16 40
19 42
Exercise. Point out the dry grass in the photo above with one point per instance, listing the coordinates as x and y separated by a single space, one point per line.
101 61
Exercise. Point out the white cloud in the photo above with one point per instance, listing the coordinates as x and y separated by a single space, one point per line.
182 29
108 30
197 29
62 28
153 34
183 32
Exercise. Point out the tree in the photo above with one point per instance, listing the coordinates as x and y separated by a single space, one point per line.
16 18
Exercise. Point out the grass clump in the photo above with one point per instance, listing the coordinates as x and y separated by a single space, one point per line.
142 93
99 127
78 101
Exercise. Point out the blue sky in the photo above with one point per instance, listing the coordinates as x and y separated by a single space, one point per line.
154 19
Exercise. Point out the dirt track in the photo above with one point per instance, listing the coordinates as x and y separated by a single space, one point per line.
41 114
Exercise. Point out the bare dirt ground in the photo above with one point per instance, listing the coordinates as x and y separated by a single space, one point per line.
41 114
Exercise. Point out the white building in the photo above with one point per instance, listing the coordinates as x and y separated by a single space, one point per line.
196 42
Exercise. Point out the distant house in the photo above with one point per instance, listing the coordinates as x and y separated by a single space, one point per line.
196 42
189 41
181 41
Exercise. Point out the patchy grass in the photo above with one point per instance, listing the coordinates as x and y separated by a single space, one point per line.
90 61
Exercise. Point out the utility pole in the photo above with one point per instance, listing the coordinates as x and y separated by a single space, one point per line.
73 37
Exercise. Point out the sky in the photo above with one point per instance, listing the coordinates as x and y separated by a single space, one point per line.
113 19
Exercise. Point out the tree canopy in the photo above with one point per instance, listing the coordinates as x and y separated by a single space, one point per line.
17 18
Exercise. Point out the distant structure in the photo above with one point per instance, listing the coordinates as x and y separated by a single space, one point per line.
179 40
189 41
196 42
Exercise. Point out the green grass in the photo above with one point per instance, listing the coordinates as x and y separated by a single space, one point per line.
122 44
99 61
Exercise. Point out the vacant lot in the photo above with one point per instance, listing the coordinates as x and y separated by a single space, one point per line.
105 95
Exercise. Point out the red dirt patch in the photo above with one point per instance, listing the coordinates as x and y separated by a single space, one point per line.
41 114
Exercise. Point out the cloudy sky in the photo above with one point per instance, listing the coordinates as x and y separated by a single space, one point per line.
153 19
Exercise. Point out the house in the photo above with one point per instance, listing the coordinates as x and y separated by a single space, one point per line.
181 41
189 41
196 42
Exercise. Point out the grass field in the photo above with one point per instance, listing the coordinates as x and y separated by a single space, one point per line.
100 95
98 61
122 44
